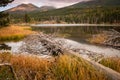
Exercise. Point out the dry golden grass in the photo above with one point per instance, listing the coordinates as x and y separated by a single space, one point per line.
64 68
14 33
113 63
27 67
98 39
72 68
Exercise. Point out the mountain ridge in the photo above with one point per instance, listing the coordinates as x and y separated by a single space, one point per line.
96 3
29 8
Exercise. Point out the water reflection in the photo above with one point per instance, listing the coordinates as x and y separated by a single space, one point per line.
76 33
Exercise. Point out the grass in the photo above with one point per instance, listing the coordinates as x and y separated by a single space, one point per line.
4 73
113 63
98 39
72 68
14 33
27 67
64 68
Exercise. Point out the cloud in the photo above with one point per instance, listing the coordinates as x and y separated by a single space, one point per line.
68 1
56 3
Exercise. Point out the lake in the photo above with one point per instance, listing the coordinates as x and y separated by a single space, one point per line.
76 32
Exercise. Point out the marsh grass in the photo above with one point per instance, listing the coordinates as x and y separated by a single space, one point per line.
62 68
14 33
98 39
113 63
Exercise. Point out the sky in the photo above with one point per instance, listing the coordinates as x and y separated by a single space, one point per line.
55 3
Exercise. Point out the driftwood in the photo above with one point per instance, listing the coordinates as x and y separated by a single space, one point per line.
42 44
113 39
91 55
11 69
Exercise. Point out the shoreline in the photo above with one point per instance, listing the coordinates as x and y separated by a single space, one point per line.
69 25
81 48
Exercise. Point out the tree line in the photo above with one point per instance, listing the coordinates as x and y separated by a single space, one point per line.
72 15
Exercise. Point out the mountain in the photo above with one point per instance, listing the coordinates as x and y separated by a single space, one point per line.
96 3
22 8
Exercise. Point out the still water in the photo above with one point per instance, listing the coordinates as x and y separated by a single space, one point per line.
76 33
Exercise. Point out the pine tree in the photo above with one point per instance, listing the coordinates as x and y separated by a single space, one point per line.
4 17
26 18
5 2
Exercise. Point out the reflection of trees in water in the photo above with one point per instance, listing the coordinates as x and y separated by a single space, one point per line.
75 31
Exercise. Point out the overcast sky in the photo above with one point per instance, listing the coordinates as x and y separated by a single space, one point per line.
55 3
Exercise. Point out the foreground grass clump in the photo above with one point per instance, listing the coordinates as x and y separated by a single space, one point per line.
14 33
64 68
72 68
113 63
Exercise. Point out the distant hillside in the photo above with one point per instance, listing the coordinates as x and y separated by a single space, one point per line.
22 8
96 3
95 11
